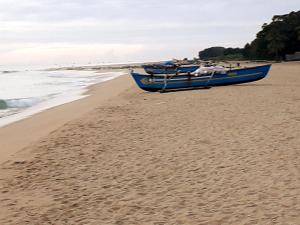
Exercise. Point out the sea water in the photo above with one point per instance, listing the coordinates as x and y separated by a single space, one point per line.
26 91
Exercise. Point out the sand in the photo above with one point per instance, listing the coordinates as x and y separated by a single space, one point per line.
225 155
14 137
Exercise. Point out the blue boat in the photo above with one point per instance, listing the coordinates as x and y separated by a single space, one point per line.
169 68
188 80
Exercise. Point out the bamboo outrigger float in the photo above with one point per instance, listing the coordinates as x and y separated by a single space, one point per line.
203 77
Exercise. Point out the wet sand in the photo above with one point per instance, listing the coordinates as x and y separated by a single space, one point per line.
225 155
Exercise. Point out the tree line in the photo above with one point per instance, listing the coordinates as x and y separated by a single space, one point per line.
274 41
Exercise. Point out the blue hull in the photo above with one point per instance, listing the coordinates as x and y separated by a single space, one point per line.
237 76
169 69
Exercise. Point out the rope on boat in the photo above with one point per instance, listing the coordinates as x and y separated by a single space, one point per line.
166 81
209 79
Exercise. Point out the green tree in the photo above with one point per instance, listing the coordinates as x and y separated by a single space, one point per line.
276 39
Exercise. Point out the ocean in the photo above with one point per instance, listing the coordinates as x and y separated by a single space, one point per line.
26 91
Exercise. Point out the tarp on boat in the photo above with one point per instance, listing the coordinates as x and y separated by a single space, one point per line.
209 69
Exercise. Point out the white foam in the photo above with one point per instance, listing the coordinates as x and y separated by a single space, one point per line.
23 103
31 92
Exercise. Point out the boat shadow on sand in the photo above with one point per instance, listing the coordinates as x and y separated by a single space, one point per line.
208 87
185 89
253 85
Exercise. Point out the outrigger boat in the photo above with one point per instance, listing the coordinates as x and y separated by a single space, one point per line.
169 68
203 77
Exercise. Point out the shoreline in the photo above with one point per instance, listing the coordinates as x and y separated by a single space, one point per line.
18 108
19 134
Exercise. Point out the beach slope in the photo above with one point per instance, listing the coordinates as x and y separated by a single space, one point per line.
225 155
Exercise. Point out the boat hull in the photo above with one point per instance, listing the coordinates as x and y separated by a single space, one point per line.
238 76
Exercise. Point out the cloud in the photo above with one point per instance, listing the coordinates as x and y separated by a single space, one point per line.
163 28
65 53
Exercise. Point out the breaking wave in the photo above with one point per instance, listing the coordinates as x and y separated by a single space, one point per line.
18 103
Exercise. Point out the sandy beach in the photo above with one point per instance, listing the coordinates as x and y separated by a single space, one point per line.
225 155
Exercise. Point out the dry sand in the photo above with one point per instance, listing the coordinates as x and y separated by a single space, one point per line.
227 155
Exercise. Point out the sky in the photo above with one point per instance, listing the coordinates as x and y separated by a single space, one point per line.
64 32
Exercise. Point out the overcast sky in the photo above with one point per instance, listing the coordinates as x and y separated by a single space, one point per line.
46 32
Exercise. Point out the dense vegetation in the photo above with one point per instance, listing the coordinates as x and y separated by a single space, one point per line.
274 41
221 53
